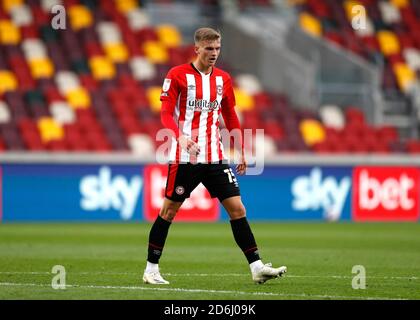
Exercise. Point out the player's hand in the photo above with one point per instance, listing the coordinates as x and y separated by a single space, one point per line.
241 168
189 145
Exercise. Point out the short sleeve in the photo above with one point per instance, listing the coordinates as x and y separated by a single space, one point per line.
170 88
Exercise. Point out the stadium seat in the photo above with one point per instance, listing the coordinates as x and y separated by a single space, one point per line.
62 112
400 3
412 57
80 17
244 101
50 129
125 6
156 52
169 35
405 76
312 131
137 19
153 94
21 15
141 144
78 98
5 115
390 13
41 68
249 84
310 24
102 68
67 81
142 69
388 42
8 81
332 116
9 33
413 146
354 115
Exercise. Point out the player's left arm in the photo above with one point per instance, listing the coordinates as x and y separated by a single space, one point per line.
233 125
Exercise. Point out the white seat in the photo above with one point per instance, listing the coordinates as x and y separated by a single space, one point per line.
5 115
412 56
138 19
109 33
390 13
249 83
142 69
332 116
141 145
34 49
46 5
66 81
62 112
21 15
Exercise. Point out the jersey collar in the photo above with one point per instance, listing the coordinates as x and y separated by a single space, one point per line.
193 66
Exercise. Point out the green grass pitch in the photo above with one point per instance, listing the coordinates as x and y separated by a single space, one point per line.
202 261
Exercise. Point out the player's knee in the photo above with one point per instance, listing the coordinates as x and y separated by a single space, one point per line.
168 213
237 212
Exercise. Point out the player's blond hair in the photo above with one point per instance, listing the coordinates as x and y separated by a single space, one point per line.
206 34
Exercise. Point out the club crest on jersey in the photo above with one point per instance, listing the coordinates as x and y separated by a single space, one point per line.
166 85
180 190
219 89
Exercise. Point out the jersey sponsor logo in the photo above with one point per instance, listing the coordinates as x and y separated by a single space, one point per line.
166 84
203 105
316 192
386 194
105 191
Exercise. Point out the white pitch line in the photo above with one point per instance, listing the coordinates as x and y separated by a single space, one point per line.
212 275
300 295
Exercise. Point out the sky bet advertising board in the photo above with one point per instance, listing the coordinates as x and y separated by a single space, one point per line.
76 192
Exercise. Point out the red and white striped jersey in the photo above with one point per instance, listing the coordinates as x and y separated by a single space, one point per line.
198 100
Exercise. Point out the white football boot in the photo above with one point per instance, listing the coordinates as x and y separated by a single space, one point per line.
267 272
154 278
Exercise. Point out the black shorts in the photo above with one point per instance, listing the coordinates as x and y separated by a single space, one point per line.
183 178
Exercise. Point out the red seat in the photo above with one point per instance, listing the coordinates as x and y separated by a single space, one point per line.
29 32
413 146
57 145
387 134
354 115
263 101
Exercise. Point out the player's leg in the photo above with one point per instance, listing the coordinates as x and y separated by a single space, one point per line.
222 183
157 238
246 241
180 183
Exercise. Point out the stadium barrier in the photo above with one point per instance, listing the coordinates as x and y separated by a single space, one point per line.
87 188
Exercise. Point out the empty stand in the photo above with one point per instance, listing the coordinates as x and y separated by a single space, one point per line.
95 86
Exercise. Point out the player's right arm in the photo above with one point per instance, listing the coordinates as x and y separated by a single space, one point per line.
169 97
